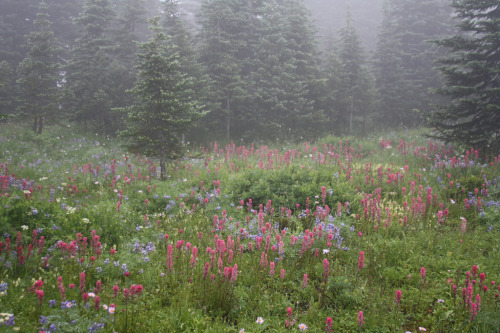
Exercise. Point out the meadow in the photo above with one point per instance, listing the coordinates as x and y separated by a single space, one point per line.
392 233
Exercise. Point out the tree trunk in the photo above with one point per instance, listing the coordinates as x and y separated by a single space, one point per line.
40 125
331 123
35 124
228 119
351 112
162 166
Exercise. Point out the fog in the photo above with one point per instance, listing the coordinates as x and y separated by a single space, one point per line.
254 69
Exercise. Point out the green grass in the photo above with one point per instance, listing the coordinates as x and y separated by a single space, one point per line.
67 186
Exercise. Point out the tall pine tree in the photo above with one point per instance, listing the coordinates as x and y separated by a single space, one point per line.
38 72
286 72
472 73
87 81
221 53
404 59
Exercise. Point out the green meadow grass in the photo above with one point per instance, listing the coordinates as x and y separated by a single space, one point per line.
244 233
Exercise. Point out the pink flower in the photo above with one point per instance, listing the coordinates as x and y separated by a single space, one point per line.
304 281
398 296
116 290
361 260
360 318
82 282
326 268
329 322
39 294
422 273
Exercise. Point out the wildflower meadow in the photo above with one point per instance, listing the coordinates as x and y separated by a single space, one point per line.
392 233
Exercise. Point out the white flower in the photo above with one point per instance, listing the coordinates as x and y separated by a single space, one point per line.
259 320
302 327
325 251
25 227
111 310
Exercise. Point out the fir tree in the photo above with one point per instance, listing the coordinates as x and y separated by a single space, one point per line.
7 90
87 81
39 73
472 73
164 108
404 59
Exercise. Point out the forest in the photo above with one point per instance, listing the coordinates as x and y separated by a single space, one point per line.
249 166
256 70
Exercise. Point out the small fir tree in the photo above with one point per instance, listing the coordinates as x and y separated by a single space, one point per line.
164 109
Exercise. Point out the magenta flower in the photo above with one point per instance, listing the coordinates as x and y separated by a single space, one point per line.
398 296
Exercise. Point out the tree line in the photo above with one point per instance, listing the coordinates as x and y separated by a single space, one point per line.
252 70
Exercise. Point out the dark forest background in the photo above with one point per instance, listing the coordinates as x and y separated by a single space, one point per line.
254 69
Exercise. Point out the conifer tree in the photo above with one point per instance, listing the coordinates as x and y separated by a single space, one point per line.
472 73
221 53
164 108
404 59
7 90
38 73
286 71
87 81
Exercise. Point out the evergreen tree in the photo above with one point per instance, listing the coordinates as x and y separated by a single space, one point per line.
175 28
286 72
38 73
122 71
88 83
472 73
404 60
165 109
7 89
351 60
221 53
